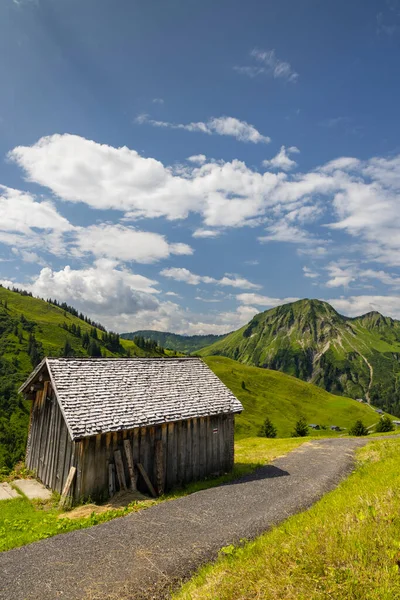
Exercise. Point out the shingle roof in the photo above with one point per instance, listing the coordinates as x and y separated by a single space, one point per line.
97 395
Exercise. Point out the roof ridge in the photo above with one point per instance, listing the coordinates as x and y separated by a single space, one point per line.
109 358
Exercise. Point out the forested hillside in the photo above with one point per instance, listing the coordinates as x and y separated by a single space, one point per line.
31 329
174 341
355 357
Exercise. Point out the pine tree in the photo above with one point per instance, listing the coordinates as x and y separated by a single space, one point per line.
358 429
268 429
385 424
301 428
94 349
67 350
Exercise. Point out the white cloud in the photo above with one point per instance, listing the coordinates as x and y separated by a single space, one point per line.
345 272
282 231
340 276
186 276
359 198
20 212
310 273
259 300
353 306
269 63
230 126
100 290
126 243
158 101
198 159
282 160
206 233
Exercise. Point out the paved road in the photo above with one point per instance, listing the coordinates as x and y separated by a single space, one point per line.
145 554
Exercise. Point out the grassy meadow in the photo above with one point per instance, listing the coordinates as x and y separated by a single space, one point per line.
284 399
346 546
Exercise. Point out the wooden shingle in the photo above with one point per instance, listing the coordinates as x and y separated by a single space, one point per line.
100 395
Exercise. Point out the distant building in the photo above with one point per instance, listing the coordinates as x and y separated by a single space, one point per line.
379 411
314 426
360 399
396 423
335 428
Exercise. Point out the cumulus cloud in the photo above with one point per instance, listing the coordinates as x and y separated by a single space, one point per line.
198 159
340 276
357 197
282 160
186 276
310 273
268 64
353 306
126 243
206 233
259 300
102 289
230 126
345 272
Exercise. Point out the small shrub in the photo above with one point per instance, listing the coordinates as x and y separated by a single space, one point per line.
301 428
268 429
385 424
243 385
358 429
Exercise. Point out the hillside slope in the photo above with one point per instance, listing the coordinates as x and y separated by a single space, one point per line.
174 341
284 399
30 329
357 357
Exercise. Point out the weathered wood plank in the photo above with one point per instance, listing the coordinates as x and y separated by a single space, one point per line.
56 443
131 466
119 467
61 456
67 487
159 473
79 450
111 479
144 448
202 447
195 449
172 459
164 438
46 413
135 446
188 451
181 428
143 473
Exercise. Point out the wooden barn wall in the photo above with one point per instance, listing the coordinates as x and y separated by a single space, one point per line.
50 451
191 450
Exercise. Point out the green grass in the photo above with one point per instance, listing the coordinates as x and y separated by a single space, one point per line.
284 399
347 546
23 522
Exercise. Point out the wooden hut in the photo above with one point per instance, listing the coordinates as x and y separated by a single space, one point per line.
115 423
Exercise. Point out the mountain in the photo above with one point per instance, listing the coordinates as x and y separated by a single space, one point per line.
284 399
174 341
30 329
356 357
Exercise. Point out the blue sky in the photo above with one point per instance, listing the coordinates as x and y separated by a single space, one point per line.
182 165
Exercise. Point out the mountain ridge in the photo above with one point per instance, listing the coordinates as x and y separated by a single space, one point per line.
352 356
175 341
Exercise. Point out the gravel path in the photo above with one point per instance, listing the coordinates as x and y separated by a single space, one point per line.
145 554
